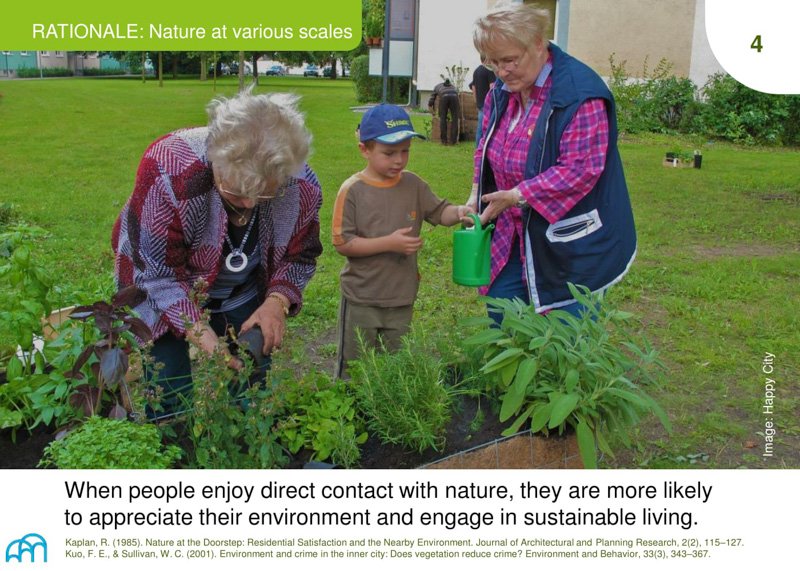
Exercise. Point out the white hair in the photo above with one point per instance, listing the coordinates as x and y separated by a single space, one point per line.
524 25
256 142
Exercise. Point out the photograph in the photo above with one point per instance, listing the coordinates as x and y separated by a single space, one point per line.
492 234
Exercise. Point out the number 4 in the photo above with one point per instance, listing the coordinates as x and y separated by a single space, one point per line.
756 45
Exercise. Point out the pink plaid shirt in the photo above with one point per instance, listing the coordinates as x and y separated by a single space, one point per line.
553 193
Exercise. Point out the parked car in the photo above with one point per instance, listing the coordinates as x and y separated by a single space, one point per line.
275 70
248 69
311 71
327 71
224 69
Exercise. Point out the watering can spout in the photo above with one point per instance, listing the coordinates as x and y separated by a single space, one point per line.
472 254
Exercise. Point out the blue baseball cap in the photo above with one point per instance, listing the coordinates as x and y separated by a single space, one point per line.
386 124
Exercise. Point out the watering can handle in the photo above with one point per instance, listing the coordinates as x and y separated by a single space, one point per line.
476 220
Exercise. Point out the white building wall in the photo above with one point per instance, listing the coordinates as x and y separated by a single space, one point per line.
445 39
703 62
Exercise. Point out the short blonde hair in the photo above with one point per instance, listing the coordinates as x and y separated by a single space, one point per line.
522 25
256 142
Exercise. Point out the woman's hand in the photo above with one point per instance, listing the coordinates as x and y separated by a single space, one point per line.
497 203
270 317
202 336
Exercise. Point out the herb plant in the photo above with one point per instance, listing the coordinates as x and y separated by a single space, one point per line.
231 424
556 371
321 416
113 444
404 395
117 328
25 286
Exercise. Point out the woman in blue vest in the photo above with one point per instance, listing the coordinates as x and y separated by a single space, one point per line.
547 169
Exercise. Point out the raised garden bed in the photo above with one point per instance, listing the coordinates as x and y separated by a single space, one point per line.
521 451
465 448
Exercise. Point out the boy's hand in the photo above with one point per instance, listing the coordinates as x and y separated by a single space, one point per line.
463 213
401 243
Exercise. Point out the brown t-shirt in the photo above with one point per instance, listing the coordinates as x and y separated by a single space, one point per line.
368 208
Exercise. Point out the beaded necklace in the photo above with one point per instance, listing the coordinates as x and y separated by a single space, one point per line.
238 253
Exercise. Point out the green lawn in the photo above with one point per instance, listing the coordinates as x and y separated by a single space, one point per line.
714 287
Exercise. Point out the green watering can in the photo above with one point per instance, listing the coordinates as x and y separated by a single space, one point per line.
472 254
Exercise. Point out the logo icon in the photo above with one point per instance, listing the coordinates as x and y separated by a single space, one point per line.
27 546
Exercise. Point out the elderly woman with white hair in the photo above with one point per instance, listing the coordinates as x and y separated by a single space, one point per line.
547 169
231 209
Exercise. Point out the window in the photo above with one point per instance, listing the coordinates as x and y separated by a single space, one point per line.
23 53
58 54
6 53
46 54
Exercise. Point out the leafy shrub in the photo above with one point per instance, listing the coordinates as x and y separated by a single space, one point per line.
657 102
45 72
556 371
791 128
404 395
661 102
92 72
370 88
367 88
735 112
114 444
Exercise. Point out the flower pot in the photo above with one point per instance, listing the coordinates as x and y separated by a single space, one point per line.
677 163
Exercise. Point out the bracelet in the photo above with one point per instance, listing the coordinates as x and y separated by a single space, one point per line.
284 306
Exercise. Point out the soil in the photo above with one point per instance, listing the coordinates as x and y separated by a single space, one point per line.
26 451
28 448
460 437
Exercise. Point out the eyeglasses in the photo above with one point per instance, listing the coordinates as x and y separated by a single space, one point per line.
244 197
506 63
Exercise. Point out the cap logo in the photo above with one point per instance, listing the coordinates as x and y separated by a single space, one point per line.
397 122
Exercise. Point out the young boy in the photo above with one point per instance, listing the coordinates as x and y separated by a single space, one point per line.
377 219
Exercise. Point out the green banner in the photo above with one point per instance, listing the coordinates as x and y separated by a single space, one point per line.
200 25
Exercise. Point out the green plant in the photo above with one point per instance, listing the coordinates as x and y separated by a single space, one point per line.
45 72
111 444
9 214
404 395
680 154
26 285
118 331
367 88
735 112
656 101
557 371
374 24
321 416
427 125
230 423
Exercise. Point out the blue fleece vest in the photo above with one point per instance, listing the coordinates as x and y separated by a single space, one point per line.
594 244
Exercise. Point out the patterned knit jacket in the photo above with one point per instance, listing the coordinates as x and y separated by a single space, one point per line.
168 238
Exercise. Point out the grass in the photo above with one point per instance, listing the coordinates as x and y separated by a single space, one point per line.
714 284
